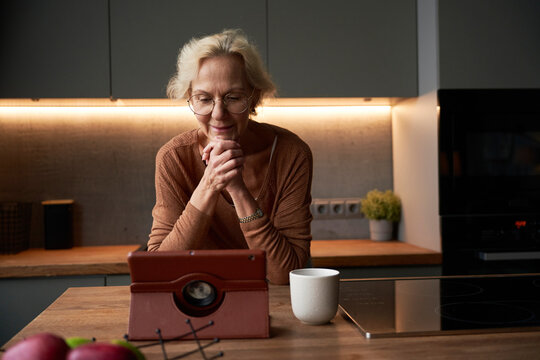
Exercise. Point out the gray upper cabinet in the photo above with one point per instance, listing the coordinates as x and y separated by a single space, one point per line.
54 49
146 36
343 48
489 44
128 48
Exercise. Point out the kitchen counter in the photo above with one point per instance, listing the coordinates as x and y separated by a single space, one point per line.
102 312
88 260
91 260
362 252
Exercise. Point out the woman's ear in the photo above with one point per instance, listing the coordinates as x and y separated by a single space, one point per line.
255 100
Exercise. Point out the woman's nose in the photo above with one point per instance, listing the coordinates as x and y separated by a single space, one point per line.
219 110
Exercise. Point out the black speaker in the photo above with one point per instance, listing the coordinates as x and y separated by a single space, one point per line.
58 224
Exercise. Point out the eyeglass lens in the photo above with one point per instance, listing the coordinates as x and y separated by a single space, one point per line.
204 104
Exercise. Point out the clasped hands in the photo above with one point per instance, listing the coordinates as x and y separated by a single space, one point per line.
224 161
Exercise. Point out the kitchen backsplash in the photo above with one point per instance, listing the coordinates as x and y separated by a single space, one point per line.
103 158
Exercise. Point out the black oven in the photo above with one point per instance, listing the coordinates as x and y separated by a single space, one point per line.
489 180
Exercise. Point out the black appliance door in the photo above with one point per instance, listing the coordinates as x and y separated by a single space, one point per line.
489 152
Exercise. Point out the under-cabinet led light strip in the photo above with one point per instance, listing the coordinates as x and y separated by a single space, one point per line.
184 110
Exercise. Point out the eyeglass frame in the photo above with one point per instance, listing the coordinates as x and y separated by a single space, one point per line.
248 99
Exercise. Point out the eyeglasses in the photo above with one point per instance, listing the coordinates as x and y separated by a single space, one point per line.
235 103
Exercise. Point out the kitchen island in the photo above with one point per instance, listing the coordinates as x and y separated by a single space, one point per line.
102 312
51 272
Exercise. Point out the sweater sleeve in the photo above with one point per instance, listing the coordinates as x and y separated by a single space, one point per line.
177 224
286 238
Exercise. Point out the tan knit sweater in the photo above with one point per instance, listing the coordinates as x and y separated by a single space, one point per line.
284 231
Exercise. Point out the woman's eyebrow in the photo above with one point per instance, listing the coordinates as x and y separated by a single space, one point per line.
198 92
235 89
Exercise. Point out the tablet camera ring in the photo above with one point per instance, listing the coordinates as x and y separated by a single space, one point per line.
199 293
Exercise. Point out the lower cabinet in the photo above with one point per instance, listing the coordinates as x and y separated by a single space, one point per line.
22 299
117 280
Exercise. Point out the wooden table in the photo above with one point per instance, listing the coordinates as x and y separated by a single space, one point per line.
87 260
103 313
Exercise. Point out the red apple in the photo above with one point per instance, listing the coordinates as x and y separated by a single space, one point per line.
42 346
101 351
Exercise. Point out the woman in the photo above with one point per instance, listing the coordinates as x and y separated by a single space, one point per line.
232 183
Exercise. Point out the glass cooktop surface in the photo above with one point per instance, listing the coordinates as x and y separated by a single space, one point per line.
438 306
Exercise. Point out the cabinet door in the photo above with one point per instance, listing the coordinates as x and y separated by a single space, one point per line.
54 49
489 44
146 36
343 48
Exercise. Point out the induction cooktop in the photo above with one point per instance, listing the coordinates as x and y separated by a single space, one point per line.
442 305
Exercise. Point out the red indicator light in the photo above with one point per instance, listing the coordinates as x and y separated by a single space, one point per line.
519 224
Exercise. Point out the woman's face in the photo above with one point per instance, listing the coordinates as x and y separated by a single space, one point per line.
220 76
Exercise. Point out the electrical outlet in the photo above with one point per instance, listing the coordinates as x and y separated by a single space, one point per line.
337 208
353 207
320 209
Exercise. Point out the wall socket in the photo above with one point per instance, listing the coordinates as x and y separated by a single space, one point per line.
338 208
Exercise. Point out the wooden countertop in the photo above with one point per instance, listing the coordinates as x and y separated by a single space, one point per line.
102 312
88 260
359 252
92 260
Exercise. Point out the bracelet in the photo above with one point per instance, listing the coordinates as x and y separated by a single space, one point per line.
258 214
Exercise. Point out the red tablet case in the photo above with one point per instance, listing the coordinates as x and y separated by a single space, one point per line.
158 299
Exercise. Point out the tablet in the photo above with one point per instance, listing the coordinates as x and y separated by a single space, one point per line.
227 288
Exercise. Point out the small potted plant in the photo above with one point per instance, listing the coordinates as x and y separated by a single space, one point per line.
382 209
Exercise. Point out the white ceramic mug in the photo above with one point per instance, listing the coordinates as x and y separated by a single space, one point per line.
314 294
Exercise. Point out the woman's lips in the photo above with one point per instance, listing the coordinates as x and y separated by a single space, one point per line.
221 129
224 132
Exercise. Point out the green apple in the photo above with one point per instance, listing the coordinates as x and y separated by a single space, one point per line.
130 346
100 351
75 341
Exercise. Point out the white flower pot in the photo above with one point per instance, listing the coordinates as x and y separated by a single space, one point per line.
380 230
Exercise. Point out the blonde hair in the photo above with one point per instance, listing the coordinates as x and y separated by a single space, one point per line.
228 42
